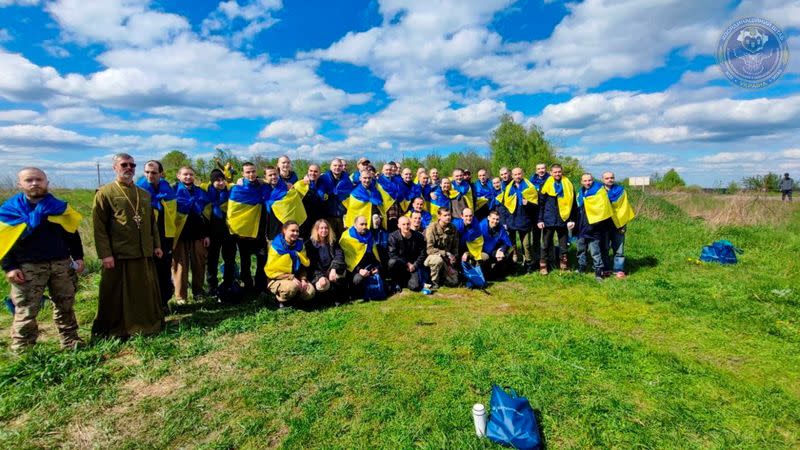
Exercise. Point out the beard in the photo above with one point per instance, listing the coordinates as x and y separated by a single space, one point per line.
38 192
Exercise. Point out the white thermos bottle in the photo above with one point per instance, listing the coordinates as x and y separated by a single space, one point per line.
479 417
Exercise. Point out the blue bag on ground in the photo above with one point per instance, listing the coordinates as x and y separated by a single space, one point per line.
512 421
723 252
374 288
474 275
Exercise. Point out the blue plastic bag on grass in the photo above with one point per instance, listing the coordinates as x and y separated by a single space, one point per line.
512 421
474 275
374 288
723 252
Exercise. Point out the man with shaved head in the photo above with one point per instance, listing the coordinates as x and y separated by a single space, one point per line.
407 255
313 199
40 247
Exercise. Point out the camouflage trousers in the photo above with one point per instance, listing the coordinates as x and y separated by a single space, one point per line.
60 279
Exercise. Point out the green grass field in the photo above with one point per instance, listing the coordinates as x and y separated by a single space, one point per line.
679 355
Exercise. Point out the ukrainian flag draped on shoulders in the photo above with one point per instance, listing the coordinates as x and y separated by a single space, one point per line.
190 200
464 190
361 200
564 192
355 246
442 200
18 217
595 202
513 195
219 201
163 201
285 259
406 194
623 212
470 236
286 204
244 208
490 240
426 218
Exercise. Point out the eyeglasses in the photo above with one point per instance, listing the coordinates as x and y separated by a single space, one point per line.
126 165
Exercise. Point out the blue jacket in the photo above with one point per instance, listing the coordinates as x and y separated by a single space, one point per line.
523 219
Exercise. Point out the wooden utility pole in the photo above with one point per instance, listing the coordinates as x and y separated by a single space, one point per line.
98 175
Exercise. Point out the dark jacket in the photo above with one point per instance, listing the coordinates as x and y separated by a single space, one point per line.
48 242
523 219
549 213
596 231
324 257
407 250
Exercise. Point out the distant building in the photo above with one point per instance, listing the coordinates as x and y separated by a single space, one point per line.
639 181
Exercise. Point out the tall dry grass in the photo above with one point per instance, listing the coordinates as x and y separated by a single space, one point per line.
737 209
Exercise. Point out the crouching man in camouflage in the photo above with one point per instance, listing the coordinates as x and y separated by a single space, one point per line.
40 247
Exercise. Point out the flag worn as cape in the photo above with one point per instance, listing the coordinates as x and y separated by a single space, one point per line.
538 181
564 192
303 186
163 201
286 204
355 246
189 201
470 236
283 258
360 202
244 208
513 195
623 212
442 200
595 202
490 241
426 218
18 217
464 190
219 201
406 194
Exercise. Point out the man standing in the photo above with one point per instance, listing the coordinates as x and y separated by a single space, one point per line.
247 220
594 214
40 248
482 188
313 199
463 197
556 216
434 177
623 213
786 186
126 239
282 203
221 240
441 240
505 176
406 256
520 212
541 175
333 210
191 237
162 200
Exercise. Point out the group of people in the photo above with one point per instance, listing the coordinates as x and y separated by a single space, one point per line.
330 233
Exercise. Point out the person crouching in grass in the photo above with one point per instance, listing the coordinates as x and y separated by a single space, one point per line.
286 266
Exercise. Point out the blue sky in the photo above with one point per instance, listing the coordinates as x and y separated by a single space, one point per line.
628 86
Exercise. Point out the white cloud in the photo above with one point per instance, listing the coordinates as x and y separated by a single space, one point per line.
634 159
21 80
55 50
18 115
21 136
115 22
5 36
4 3
289 129
256 16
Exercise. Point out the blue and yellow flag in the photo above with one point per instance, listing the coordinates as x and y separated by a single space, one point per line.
513 195
360 203
425 215
623 212
19 218
470 236
490 241
483 194
442 200
595 202
244 208
464 190
355 246
564 192
219 201
192 200
163 201
538 181
406 193
286 204
285 259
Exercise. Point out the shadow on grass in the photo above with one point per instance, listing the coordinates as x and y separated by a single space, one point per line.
634 264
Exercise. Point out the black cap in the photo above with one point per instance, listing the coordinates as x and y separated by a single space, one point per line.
216 174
